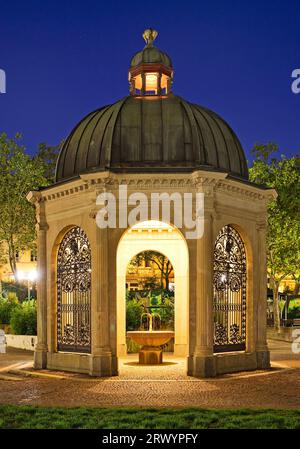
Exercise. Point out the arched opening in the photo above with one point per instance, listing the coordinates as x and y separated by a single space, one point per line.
73 278
150 289
229 285
164 239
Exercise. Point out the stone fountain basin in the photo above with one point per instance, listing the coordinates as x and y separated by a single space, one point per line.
151 338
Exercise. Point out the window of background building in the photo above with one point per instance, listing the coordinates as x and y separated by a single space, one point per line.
33 256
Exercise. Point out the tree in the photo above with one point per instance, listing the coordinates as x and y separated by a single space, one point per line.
48 156
283 234
296 276
162 263
20 173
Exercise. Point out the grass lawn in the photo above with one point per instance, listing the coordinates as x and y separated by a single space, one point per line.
30 417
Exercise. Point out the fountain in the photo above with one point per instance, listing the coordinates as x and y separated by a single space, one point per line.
151 340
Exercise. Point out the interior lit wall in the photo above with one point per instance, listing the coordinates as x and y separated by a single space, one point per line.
170 242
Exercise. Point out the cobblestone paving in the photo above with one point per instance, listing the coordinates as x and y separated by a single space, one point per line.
166 386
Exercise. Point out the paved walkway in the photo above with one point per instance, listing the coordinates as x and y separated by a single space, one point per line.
166 386
13 358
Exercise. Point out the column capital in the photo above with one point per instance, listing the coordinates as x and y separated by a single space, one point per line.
261 225
205 181
42 227
34 196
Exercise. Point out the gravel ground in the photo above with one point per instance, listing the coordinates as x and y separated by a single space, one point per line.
163 386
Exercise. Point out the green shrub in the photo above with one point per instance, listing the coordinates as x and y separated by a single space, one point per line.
135 300
294 313
7 306
167 314
134 311
23 319
12 296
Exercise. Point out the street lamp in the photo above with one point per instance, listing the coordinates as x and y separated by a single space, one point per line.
29 276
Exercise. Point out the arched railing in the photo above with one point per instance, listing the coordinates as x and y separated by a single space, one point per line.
229 291
74 292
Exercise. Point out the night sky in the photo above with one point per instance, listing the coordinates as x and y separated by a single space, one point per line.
64 59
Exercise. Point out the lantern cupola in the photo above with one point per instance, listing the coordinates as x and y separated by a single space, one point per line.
151 71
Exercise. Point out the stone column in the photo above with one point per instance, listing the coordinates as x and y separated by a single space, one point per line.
40 354
159 84
263 355
143 90
101 363
203 364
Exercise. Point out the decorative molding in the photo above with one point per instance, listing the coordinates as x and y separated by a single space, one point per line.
93 213
36 198
208 183
216 216
41 227
232 188
261 225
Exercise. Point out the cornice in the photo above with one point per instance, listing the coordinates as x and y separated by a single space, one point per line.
234 188
199 181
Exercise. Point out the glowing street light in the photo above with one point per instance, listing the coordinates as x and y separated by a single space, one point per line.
29 276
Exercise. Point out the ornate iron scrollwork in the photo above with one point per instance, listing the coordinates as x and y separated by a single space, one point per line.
229 291
74 292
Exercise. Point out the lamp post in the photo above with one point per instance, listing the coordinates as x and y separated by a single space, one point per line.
29 276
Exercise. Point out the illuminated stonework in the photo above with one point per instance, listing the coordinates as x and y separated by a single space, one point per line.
165 145
151 71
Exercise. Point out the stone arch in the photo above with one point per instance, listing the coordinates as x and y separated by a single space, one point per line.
251 315
230 296
170 242
71 282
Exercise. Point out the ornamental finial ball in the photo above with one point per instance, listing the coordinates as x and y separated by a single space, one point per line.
150 35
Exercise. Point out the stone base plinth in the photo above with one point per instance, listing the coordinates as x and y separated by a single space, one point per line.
202 366
263 359
40 359
102 365
230 362
150 356
98 365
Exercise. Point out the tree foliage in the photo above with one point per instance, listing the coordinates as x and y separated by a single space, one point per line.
7 306
159 260
283 235
48 155
24 318
20 173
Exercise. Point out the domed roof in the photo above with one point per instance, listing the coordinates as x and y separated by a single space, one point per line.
151 55
166 134
151 130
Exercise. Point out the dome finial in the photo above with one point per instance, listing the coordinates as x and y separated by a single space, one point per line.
149 36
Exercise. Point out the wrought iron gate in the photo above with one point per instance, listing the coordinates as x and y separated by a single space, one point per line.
74 292
229 292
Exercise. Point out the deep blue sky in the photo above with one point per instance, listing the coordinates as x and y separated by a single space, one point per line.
64 59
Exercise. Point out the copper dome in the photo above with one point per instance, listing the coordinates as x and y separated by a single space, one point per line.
162 135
